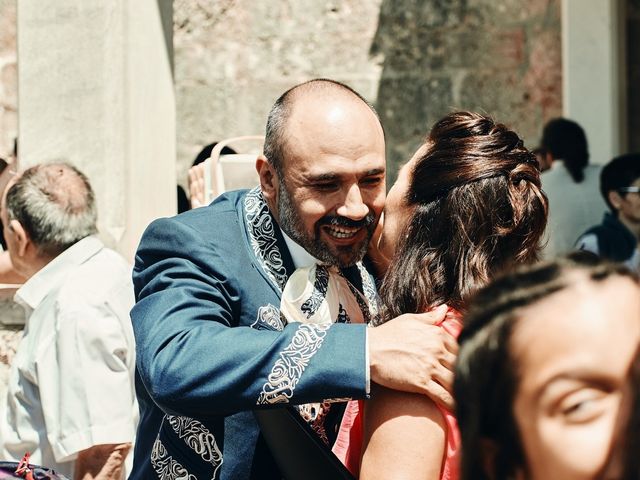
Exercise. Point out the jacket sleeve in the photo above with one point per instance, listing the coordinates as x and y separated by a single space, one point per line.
193 358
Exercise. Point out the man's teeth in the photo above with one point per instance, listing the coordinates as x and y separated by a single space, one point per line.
342 233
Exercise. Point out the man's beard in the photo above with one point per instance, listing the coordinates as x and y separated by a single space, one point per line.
291 223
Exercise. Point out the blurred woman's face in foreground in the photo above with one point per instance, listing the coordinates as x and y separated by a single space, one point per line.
573 351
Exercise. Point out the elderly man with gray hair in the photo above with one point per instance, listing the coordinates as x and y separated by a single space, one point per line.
71 399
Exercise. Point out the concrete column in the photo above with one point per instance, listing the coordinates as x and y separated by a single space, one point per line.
593 73
96 89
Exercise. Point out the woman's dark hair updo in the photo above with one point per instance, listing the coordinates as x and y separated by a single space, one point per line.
478 208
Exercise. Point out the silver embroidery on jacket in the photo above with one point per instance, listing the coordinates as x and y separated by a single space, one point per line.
198 438
261 230
291 364
271 316
165 466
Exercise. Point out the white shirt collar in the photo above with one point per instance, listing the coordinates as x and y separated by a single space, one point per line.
38 287
301 258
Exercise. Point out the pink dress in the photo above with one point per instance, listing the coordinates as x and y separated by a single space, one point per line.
348 445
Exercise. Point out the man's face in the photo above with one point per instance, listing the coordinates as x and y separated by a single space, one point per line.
333 189
629 206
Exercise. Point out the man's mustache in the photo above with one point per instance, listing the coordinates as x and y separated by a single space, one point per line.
338 221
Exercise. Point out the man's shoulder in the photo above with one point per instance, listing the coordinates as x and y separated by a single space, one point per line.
222 215
226 204
103 278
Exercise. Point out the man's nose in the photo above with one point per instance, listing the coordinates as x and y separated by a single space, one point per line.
353 206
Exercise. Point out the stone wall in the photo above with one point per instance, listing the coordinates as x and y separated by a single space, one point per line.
8 78
633 74
415 59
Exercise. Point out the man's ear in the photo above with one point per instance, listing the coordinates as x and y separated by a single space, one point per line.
615 199
548 159
268 179
21 237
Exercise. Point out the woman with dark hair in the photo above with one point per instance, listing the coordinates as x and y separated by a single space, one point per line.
543 364
466 206
631 440
571 184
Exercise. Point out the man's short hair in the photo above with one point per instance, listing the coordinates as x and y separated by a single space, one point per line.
619 173
55 204
275 138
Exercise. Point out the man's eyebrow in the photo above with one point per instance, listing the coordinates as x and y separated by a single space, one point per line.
323 177
332 177
375 171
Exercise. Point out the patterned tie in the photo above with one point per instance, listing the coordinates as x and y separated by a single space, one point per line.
321 294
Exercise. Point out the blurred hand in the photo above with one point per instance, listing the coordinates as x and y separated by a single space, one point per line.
411 353
196 186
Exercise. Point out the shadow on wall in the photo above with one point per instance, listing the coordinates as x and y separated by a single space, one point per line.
165 9
497 57
633 74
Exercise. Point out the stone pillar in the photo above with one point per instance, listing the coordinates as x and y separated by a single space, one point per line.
96 89
593 73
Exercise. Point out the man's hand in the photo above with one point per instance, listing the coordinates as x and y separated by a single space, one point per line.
196 186
101 462
412 354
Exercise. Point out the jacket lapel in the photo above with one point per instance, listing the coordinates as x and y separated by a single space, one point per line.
268 248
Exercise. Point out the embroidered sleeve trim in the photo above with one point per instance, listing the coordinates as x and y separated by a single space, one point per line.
291 364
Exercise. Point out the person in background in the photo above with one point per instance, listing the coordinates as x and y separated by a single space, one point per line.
70 401
193 200
616 238
571 185
542 369
8 274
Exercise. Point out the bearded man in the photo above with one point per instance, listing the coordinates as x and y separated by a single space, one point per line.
214 341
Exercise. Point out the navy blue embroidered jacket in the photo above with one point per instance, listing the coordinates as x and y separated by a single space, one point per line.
212 345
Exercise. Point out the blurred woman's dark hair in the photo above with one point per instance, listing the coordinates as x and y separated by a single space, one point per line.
624 461
478 208
486 377
206 153
565 140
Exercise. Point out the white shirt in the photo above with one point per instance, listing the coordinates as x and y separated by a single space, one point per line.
301 258
71 384
573 207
